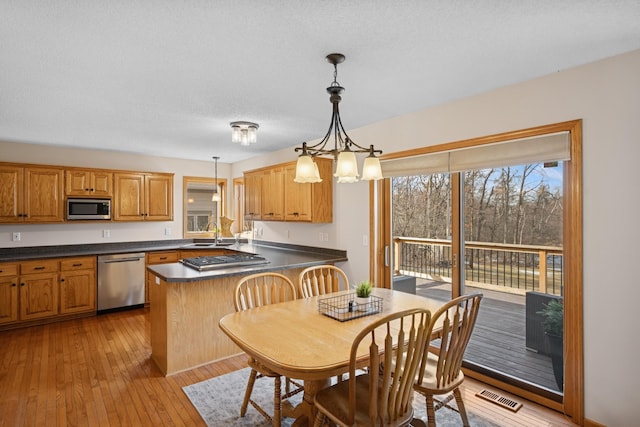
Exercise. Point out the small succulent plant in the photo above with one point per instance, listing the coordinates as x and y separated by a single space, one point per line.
363 290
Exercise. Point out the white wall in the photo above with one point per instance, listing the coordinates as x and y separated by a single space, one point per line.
606 95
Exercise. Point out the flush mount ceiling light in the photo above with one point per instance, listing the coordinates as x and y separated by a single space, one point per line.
344 149
245 133
216 193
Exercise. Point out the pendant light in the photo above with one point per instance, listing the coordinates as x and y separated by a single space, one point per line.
344 150
216 194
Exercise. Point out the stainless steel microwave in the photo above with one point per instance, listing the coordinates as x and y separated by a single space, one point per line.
88 209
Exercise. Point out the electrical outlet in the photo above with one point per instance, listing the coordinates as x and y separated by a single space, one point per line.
365 240
167 231
106 233
16 237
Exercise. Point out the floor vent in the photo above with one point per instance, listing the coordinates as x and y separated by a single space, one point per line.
505 402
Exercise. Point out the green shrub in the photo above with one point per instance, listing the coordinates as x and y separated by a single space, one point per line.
553 322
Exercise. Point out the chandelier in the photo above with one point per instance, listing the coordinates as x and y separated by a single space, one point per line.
343 148
246 133
216 194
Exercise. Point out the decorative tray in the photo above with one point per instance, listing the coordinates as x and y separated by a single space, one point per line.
344 307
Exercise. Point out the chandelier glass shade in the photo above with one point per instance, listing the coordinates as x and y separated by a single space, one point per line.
244 133
338 144
216 194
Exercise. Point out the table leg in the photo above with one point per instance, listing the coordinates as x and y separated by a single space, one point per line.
307 411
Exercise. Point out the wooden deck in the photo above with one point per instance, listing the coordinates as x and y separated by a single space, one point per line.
498 340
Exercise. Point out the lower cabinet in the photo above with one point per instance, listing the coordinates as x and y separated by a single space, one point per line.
38 296
8 293
40 291
158 257
78 285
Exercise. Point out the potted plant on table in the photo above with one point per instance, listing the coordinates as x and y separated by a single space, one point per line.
363 295
553 324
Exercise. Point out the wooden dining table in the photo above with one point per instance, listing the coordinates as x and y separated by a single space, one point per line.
298 341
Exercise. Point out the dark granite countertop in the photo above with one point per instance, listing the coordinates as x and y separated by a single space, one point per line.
281 256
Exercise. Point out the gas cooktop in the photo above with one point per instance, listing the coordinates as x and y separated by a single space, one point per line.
204 263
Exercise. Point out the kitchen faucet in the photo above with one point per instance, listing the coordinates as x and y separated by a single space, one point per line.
215 231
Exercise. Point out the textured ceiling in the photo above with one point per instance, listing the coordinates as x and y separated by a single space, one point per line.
165 77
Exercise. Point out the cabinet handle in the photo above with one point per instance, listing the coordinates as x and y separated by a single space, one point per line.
93 189
21 284
38 268
163 258
62 279
13 284
77 265
86 189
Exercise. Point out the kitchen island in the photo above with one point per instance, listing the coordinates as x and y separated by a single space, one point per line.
187 304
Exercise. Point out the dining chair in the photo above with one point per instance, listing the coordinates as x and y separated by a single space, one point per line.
440 370
254 291
382 396
320 280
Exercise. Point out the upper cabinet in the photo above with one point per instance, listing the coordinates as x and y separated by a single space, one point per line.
309 202
143 197
31 194
36 194
253 195
272 195
81 182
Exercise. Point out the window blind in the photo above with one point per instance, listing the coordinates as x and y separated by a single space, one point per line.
536 149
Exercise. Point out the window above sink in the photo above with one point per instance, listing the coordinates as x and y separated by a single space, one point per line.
201 215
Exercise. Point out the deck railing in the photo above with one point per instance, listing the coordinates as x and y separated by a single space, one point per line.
517 267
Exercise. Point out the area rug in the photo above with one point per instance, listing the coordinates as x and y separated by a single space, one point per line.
218 402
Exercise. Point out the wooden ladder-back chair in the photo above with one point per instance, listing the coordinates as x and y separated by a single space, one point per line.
440 371
320 280
254 291
383 395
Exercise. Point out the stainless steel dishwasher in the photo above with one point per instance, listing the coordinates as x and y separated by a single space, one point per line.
121 280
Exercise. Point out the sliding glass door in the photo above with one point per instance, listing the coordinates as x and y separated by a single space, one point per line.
476 218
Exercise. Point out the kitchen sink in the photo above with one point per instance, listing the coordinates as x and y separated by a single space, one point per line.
208 245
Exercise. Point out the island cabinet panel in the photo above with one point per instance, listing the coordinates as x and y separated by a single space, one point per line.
156 257
184 321
31 194
282 199
95 183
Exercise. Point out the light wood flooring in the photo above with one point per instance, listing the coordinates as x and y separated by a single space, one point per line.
98 371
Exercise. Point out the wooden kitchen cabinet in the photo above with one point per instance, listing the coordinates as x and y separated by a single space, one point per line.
43 291
8 293
38 289
143 197
157 257
306 202
253 195
273 194
31 194
77 285
282 199
81 182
